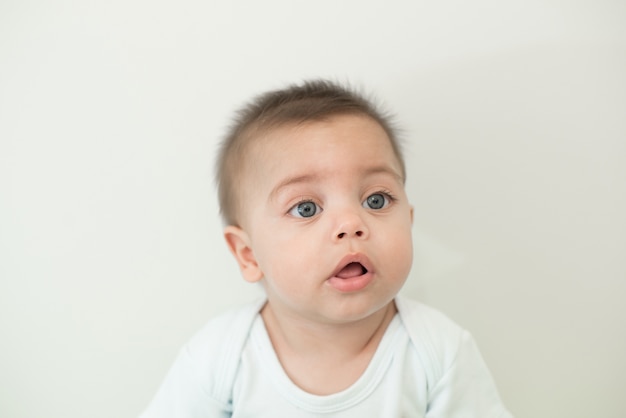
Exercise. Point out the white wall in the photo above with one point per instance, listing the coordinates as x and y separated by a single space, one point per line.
110 248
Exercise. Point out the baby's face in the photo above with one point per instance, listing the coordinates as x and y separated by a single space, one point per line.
326 219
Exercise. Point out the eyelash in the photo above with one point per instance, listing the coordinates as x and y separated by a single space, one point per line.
386 193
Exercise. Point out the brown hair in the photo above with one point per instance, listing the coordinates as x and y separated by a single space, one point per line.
313 100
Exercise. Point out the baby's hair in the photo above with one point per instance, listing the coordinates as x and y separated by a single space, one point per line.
313 100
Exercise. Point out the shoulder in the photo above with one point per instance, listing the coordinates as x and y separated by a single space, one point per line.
211 357
231 324
435 337
215 349
199 382
428 323
459 383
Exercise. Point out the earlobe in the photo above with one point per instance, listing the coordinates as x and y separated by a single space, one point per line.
239 244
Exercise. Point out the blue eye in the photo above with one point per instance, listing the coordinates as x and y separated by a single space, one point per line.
376 201
305 209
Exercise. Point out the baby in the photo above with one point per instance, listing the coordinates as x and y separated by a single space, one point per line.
311 188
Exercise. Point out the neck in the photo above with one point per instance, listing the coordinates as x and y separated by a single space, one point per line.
306 337
325 358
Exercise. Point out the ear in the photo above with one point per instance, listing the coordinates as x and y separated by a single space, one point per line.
411 209
239 245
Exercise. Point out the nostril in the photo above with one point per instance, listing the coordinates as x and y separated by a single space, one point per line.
343 234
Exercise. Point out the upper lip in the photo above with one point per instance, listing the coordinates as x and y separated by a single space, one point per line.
353 258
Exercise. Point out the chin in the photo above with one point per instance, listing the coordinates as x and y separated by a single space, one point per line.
353 310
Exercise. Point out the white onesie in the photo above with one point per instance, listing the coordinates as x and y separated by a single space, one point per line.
425 366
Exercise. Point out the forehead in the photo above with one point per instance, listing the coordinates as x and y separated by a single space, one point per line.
335 131
316 147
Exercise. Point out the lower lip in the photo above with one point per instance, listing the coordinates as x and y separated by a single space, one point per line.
352 284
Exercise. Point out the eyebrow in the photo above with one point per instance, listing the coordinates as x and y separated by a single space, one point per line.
310 178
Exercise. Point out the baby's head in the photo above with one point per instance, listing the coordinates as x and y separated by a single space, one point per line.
310 101
311 185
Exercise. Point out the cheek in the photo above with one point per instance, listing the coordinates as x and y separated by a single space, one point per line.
279 258
283 258
400 245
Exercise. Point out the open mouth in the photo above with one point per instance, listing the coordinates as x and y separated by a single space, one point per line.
354 273
353 269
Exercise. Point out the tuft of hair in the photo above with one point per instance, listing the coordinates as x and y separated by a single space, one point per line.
312 100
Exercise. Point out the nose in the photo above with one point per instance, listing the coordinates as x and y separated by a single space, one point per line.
350 225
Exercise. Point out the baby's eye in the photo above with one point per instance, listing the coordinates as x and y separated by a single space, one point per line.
376 201
305 209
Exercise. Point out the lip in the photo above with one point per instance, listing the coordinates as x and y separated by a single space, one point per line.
356 283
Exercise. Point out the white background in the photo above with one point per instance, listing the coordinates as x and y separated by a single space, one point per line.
111 253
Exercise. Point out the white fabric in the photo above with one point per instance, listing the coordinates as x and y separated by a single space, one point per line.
425 366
